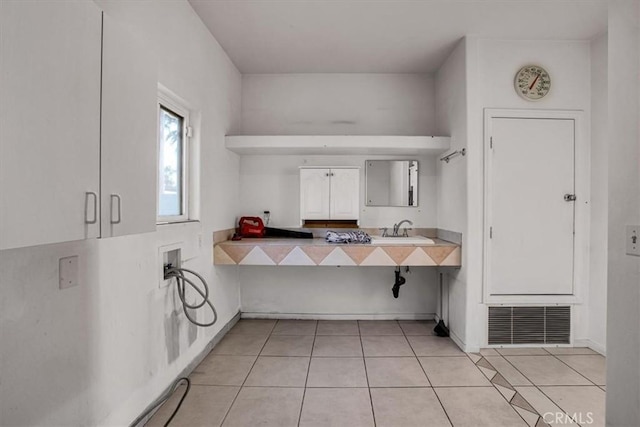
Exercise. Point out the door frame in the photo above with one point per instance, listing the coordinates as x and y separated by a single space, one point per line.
582 206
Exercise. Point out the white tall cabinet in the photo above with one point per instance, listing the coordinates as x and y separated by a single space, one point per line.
329 193
129 134
60 159
49 122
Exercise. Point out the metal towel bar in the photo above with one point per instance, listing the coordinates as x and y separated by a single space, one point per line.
454 154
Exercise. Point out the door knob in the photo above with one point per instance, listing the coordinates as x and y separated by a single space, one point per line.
569 197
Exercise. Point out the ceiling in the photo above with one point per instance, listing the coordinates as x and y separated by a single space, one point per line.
381 36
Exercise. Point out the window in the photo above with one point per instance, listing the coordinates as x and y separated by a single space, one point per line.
173 153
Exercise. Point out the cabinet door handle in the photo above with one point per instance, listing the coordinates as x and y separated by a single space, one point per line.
86 207
116 197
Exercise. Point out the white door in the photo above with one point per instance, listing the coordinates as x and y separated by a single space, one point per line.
529 224
345 193
49 121
314 194
129 134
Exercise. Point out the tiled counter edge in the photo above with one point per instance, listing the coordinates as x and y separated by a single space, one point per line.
317 252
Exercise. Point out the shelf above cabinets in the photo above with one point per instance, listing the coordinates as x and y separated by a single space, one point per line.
337 144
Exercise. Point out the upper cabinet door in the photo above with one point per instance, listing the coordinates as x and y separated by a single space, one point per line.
49 122
345 193
129 135
314 193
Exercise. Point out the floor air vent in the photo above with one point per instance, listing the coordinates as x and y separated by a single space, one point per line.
529 325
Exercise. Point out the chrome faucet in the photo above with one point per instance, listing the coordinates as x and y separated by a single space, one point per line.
396 228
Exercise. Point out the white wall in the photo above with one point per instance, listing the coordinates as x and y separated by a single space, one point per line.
597 297
337 104
99 353
623 296
451 119
499 60
325 104
272 183
491 68
337 292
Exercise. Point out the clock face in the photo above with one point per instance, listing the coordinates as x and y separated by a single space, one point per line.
532 82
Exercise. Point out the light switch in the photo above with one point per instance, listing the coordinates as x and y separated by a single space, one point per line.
633 240
68 272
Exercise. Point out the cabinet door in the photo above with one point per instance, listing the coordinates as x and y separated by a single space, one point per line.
314 194
345 193
129 122
530 225
49 121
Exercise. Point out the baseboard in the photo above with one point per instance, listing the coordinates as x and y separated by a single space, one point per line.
214 341
191 366
590 344
339 316
460 343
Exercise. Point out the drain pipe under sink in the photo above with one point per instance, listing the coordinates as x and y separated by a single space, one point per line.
399 282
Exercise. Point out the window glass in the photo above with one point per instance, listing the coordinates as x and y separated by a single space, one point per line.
171 164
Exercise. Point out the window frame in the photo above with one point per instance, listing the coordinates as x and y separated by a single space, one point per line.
171 103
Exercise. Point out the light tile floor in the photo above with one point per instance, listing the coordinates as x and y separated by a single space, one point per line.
384 373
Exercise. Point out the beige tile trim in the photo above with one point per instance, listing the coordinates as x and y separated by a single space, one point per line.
227 252
503 386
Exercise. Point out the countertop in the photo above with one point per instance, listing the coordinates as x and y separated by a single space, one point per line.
313 252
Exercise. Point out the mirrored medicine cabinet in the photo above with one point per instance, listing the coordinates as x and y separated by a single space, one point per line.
391 183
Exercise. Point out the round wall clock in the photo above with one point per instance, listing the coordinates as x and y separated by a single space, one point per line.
532 82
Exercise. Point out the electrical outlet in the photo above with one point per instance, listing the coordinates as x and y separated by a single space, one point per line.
633 240
68 272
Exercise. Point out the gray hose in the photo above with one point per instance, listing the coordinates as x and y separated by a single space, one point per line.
163 399
179 274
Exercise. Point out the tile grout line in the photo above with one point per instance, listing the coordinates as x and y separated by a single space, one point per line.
554 402
366 374
248 373
495 386
536 386
427 376
574 369
555 385
416 357
558 385
306 380
499 381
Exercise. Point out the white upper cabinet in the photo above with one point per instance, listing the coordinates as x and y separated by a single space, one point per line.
315 188
129 135
345 193
66 171
329 193
49 122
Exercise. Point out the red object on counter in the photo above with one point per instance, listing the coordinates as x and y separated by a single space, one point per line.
251 226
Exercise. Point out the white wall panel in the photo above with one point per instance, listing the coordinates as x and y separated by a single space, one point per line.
99 353
338 104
